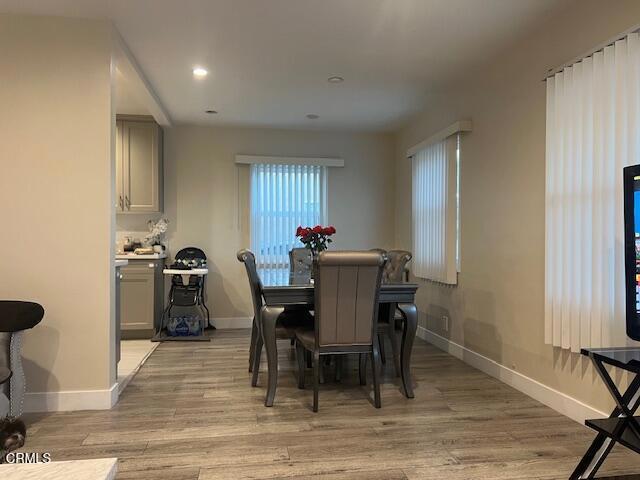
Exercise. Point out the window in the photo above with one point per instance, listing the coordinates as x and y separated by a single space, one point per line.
592 132
435 210
283 197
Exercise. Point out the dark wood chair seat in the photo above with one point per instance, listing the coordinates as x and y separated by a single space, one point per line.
306 336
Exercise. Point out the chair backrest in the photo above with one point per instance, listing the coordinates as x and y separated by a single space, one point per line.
190 252
395 270
300 261
347 285
249 259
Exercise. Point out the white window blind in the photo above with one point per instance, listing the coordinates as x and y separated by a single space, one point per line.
593 131
283 197
434 212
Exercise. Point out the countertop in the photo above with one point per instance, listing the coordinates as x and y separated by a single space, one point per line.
97 469
121 263
133 256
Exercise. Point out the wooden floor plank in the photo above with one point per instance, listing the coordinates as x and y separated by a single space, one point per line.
191 414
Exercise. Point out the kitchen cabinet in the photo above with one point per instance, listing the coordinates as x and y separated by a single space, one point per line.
139 179
141 298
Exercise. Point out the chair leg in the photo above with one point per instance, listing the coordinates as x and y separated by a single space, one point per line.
375 361
316 379
338 375
300 355
293 341
309 359
363 369
395 348
252 346
381 343
256 361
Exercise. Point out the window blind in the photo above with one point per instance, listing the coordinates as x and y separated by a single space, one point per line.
593 131
434 211
283 197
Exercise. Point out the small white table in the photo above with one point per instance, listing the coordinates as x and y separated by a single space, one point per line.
96 469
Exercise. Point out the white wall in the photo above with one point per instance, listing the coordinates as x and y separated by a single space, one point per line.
56 190
497 309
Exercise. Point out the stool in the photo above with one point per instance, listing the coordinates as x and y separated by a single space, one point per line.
5 375
15 318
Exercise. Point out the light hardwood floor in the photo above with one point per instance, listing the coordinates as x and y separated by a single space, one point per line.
190 413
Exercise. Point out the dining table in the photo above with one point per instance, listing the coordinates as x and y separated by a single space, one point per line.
286 290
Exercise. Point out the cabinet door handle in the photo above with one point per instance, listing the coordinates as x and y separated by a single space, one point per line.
127 202
121 203
152 265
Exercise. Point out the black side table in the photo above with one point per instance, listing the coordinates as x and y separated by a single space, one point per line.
621 426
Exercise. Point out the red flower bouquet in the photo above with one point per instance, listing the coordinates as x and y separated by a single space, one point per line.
315 238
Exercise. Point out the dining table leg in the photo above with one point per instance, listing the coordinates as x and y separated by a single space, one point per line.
268 319
410 314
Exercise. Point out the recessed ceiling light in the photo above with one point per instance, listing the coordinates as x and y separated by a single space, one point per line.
200 72
211 112
335 79
313 116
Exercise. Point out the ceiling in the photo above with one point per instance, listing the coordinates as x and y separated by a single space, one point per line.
269 60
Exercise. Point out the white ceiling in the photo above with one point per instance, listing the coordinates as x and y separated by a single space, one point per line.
269 60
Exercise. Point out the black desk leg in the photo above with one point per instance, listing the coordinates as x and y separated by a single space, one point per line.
602 444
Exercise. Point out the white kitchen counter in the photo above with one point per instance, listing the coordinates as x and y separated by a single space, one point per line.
133 256
96 469
121 263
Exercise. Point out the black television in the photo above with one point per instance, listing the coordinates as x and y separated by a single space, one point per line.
632 248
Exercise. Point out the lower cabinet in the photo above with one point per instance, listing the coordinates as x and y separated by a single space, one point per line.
141 298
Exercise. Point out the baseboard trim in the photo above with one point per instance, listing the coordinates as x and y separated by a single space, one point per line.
70 400
223 323
560 402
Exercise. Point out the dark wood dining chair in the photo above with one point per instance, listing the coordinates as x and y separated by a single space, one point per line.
287 322
300 261
395 271
347 286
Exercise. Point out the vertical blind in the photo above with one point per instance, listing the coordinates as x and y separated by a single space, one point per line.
592 132
434 211
283 197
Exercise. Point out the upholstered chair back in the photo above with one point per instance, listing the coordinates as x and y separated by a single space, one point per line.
300 261
395 269
347 285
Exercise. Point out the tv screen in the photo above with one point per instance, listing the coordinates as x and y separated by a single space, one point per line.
632 248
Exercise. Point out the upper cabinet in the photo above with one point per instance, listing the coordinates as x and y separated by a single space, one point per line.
139 183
